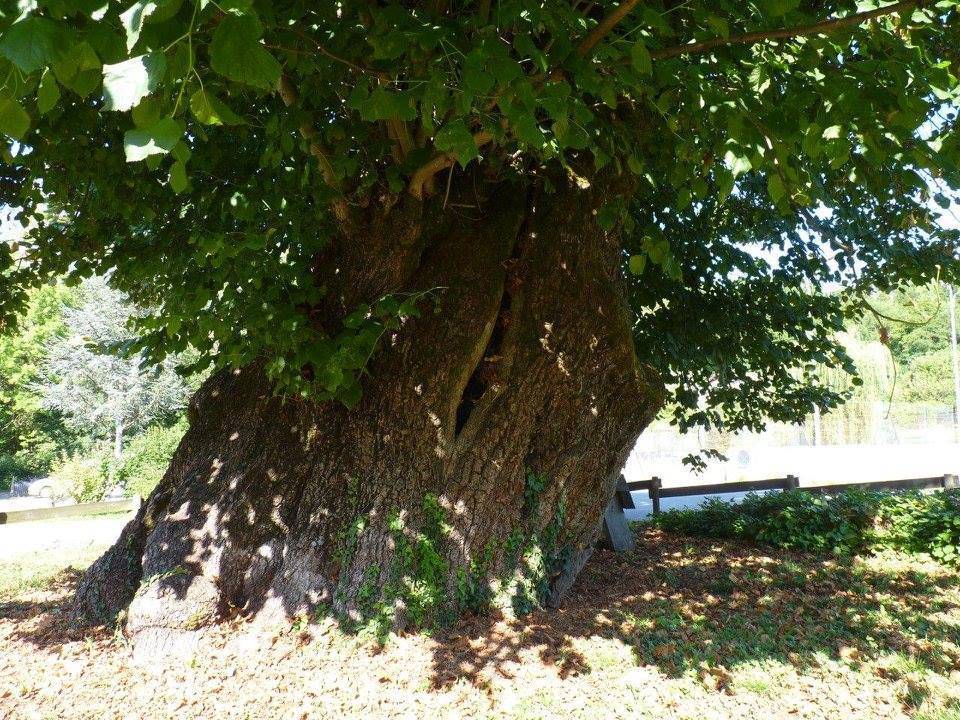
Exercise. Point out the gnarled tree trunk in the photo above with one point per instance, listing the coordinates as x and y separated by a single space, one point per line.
482 453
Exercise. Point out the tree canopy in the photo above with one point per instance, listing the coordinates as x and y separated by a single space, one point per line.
785 158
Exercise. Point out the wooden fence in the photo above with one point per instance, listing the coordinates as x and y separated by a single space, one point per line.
70 511
617 533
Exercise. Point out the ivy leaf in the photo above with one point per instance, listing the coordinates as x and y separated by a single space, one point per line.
48 93
640 58
125 84
157 139
236 53
210 110
638 263
455 138
14 120
33 43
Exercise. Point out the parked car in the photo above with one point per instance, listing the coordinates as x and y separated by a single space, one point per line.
40 487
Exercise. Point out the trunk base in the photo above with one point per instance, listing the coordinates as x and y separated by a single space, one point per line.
475 469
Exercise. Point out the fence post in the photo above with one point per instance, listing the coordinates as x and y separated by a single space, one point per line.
616 530
950 482
655 485
793 482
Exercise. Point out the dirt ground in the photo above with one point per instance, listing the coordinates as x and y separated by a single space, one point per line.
680 628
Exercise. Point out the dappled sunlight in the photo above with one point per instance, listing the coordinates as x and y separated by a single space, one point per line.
675 624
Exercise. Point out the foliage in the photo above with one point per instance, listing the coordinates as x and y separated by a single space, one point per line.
31 435
82 477
146 457
924 523
87 376
913 323
845 522
204 154
11 469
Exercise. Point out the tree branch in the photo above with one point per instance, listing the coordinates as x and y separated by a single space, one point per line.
288 93
609 22
421 179
821 28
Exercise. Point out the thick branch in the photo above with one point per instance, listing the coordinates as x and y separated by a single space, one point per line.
420 180
608 23
820 28
288 93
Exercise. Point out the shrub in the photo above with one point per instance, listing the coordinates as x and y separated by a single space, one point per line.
81 477
846 522
924 523
12 468
146 458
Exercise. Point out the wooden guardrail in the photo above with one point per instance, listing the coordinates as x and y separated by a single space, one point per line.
70 511
618 536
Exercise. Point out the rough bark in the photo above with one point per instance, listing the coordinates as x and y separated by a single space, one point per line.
487 441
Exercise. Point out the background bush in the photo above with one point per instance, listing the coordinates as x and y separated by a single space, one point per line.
146 457
84 478
11 468
847 522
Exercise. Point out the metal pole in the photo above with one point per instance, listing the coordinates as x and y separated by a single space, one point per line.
955 359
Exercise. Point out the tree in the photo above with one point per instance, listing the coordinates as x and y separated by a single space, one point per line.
100 389
914 324
449 259
30 432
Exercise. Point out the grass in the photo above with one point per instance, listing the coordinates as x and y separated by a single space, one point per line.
33 573
682 628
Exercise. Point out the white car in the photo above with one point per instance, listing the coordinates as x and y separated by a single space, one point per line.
40 487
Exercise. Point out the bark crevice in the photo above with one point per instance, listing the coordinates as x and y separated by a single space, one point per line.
485 371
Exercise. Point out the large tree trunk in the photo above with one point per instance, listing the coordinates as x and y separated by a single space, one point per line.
476 467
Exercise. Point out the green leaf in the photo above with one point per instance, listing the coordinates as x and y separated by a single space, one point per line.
178 177
831 133
14 120
236 53
157 139
134 16
79 69
640 58
48 93
210 110
34 43
737 164
125 84
779 7
776 188
385 105
455 138
638 264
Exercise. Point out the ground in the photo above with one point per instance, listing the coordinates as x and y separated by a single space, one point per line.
681 628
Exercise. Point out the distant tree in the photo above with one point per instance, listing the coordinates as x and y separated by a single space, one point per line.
31 432
100 388
913 323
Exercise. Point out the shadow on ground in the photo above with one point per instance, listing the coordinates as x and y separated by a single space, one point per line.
684 604
677 604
